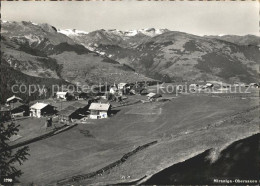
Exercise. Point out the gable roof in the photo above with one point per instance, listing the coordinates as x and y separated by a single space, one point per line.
68 111
38 106
79 105
150 94
61 93
13 97
122 84
99 106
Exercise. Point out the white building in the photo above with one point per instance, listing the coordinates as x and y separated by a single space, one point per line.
121 85
99 110
61 95
113 90
41 109
209 85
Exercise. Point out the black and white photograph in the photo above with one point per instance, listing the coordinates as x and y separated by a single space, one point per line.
129 93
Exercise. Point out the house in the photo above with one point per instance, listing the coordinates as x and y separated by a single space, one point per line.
113 90
209 85
66 114
153 96
138 90
99 110
254 85
74 111
42 109
61 95
193 85
19 109
150 94
13 99
122 86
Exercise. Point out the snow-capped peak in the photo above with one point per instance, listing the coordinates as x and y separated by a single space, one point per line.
70 32
147 31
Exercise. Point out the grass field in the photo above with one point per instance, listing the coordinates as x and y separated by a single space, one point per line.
184 127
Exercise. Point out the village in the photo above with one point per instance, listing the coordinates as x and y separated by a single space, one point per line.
67 108
81 119
77 107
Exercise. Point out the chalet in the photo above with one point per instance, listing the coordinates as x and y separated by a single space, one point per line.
124 87
13 99
19 109
193 85
209 85
61 95
74 111
113 90
153 96
138 90
42 109
99 110
253 85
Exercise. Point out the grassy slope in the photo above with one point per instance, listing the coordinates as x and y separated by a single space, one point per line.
237 161
176 125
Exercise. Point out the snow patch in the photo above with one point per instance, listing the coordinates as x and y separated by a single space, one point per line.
70 32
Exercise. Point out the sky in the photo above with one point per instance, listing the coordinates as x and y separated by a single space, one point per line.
196 17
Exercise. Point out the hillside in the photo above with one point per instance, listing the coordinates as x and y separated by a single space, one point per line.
238 161
177 56
10 77
39 50
240 40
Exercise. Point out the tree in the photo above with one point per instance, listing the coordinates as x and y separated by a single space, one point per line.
9 158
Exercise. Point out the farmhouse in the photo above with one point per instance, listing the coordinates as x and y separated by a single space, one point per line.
193 85
42 109
19 109
209 85
113 90
122 85
138 90
150 94
153 96
74 111
13 99
61 95
254 85
99 110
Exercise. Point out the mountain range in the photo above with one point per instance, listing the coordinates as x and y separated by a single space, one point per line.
176 56
43 51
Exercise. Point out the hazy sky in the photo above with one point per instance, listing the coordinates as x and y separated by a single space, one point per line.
210 18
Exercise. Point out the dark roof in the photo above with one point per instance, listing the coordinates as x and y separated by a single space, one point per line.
71 109
156 96
68 111
13 106
79 105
